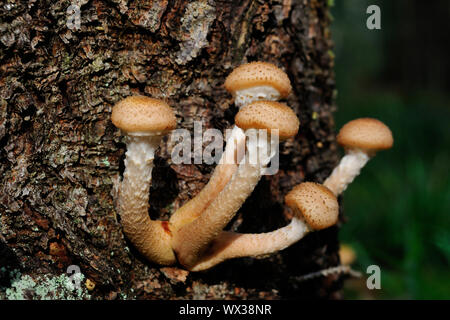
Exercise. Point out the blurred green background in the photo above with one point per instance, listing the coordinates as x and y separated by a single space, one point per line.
398 209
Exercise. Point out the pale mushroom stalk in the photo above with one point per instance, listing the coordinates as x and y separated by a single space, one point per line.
151 237
230 245
315 208
361 139
348 169
248 83
193 239
143 120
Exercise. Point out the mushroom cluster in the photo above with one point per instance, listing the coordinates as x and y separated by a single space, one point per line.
194 236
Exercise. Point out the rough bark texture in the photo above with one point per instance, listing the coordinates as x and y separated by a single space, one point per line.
59 152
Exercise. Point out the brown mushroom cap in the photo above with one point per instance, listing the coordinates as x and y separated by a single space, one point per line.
258 74
317 204
268 115
365 133
143 114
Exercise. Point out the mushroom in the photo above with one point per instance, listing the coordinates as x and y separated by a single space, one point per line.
257 81
247 83
315 208
192 239
144 121
361 139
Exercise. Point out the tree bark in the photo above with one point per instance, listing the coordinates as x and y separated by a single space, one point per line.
60 153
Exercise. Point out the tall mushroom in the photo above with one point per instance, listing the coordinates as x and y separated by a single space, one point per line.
192 239
361 139
315 208
247 83
144 121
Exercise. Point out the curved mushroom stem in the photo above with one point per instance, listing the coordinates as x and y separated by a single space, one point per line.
151 238
348 169
222 175
229 245
315 208
193 239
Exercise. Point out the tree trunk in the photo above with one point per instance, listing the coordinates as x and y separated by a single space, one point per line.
60 152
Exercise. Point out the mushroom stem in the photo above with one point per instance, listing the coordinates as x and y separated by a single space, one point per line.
247 83
229 245
151 238
222 175
246 96
191 240
348 169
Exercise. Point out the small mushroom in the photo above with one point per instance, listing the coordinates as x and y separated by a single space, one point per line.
315 208
257 81
144 121
361 139
191 240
